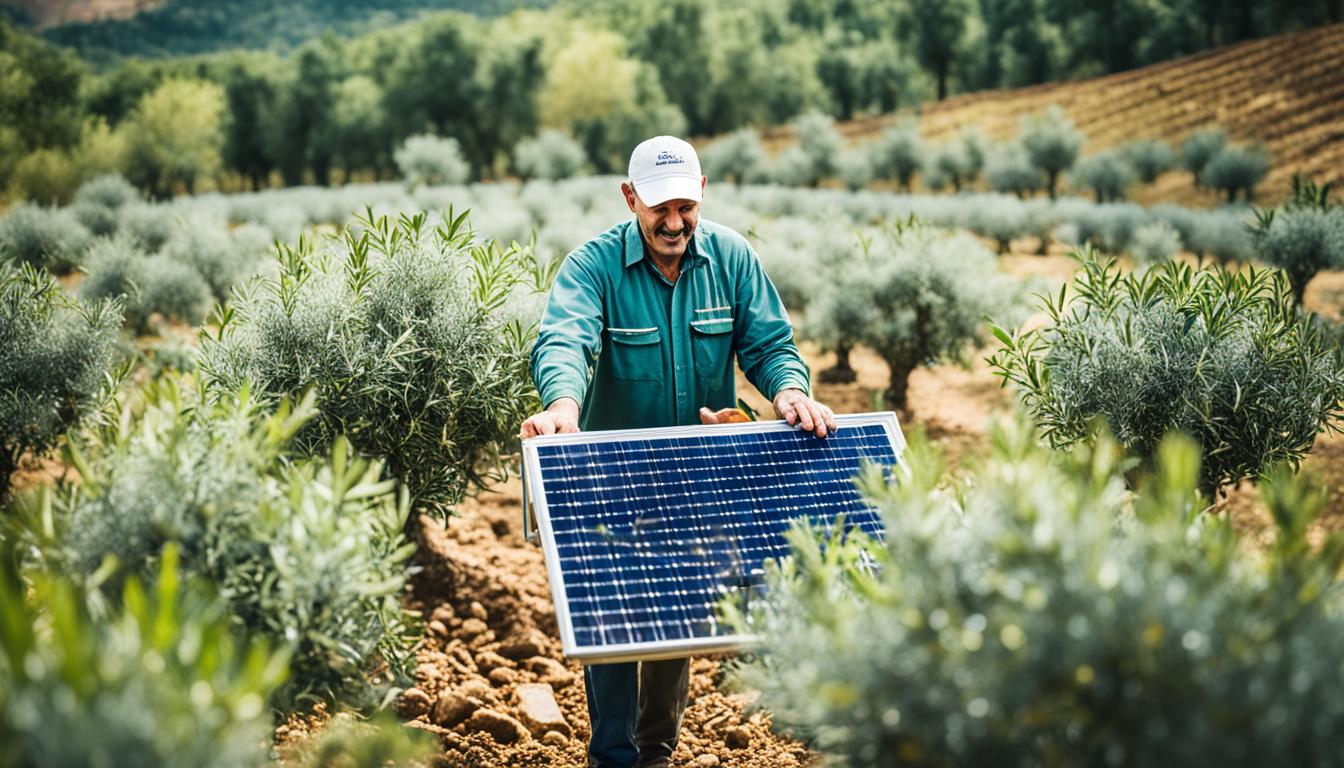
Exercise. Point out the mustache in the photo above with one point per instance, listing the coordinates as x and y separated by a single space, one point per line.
685 230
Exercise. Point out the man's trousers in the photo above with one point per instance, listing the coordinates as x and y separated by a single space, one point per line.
635 709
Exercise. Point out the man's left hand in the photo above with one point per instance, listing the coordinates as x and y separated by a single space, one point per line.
799 410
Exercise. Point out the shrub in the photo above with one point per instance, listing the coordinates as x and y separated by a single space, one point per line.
1149 159
926 293
98 220
1236 169
401 332
974 150
1155 243
820 142
1035 613
145 285
950 162
349 742
211 250
1303 237
793 168
54 359
1199 148
426 159
551 154
855 169
1010 171
161 681
1221 356
1051 143
899 153
1106 174
148 226
43 237
308 554
108 191
738 157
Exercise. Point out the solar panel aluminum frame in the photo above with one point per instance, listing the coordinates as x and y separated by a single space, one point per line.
534 501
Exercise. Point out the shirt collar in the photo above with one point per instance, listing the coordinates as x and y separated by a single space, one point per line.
634 246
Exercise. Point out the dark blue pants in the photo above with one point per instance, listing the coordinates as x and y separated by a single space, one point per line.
635 709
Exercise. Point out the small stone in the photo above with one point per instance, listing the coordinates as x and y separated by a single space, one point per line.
476 688
550 671
737 738
502 676
538 710
444 613
452 708
503 728
473 628
438 628
527 646
486 661
706 761
554 739
413 703
426 671
477 610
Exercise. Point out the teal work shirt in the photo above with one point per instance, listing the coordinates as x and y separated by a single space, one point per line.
637 350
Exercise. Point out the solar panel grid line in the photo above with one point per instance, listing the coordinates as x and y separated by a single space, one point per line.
645 530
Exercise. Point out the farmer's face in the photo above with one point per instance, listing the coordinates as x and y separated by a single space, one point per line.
666 227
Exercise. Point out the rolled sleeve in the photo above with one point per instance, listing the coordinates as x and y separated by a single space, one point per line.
569 338
764 335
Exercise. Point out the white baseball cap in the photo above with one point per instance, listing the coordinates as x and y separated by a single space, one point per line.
665 168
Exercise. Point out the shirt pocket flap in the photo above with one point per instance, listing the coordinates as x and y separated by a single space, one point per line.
717 326
634 335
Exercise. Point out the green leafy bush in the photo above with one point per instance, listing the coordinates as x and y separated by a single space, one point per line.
1106 174
1036 612
854 168
1236 169
1149 159
920 296
1221 356
898 154
211 250
108 191
161 681
307 553
348 742
949 161
148 226
1051 142
1303 237
146 285
820 143
98 220
738 157
1009 170
551 155
427 159
55 356
43 237
1199 148
408 336
1155 243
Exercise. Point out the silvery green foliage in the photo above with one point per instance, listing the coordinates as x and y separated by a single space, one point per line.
951 163
1222 356
1009 170
1155 243
1303 237
899 153
793 168
1106 174
108 191
820 142
427 159
1221 234
1199 148
146 285
974 151
55 356
1149 159
101 221
43 237
927 294
1033 611
792 252
308 554
1236 169
551 155
854 167
149 226
398 329
738 157
159 680
1051 142
208 247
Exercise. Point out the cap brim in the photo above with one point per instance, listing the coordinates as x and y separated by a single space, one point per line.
659 191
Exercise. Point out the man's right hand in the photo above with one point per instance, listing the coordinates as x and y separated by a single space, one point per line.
561 417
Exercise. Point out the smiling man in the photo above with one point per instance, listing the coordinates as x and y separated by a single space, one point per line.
641 330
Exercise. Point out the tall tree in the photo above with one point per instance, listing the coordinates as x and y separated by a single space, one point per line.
250 97
937 29
435 87
39 97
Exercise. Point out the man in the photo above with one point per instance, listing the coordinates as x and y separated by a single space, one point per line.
656 308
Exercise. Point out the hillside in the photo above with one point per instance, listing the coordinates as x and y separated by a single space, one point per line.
185 27
1285 91
48 13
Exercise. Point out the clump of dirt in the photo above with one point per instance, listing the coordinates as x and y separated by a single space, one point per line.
491 662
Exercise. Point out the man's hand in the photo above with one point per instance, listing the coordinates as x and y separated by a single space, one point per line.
799 410
561 417
722 416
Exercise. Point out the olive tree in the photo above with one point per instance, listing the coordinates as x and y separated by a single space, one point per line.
1199 148
550 154
1106 174
1010 170
1051 142
1149 159
426 159
738 157
1302 237
898 153
1222 356
1236 169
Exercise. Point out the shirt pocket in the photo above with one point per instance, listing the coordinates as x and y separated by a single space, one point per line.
712 345
636 353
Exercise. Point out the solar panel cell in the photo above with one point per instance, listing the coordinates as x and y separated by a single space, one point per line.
646 530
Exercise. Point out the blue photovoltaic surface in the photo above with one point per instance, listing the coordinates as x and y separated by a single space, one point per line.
651 532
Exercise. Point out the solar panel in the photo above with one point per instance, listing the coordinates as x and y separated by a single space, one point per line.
645 531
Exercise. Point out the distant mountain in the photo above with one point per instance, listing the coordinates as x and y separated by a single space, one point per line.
184 27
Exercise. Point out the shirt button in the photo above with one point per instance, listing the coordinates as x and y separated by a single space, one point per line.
680 368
